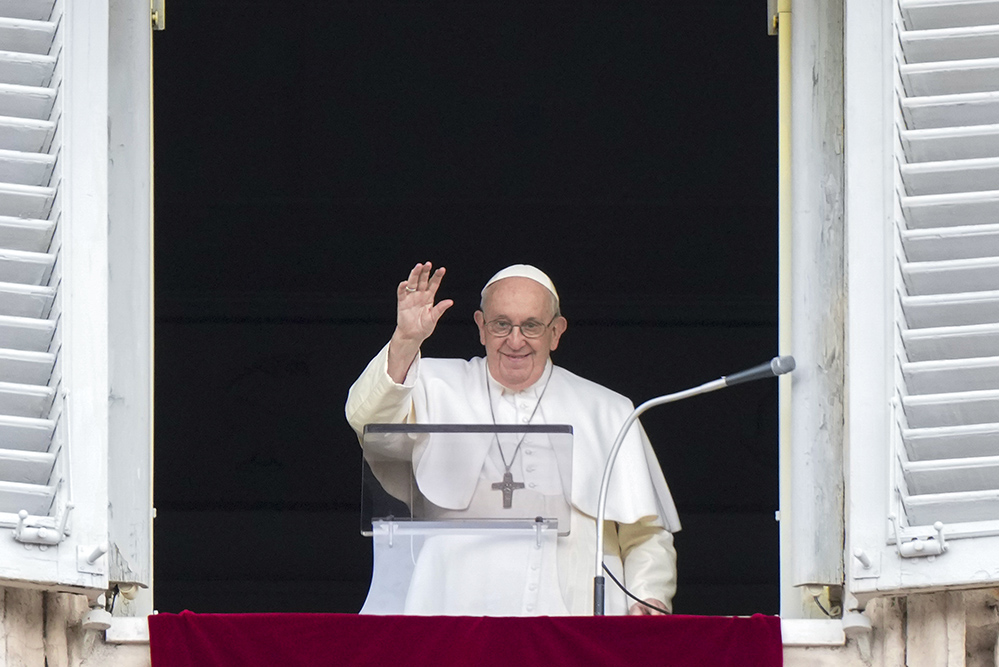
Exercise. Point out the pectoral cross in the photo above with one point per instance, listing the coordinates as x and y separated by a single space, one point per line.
507 486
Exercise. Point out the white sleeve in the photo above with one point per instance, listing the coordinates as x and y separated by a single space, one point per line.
377 399
649 561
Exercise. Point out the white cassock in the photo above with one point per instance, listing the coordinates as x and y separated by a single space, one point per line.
641 515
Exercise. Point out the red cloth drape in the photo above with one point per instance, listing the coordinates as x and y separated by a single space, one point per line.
256 640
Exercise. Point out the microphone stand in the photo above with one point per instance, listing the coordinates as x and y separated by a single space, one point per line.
777 366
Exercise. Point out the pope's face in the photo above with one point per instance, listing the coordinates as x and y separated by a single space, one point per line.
516 361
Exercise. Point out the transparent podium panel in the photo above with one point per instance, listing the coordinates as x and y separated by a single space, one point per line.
455 472
465 518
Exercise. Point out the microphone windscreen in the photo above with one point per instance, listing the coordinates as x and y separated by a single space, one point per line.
781 365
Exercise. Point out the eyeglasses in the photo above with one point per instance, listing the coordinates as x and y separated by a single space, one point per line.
529 329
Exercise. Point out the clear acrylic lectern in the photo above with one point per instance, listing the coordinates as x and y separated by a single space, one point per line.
464 517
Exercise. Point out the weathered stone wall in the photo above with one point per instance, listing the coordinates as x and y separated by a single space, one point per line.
946 629
44 629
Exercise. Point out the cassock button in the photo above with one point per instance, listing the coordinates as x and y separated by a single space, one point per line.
532 485
531 468
524 419
528 452
533 587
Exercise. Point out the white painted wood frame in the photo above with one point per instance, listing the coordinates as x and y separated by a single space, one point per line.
813 526
130 285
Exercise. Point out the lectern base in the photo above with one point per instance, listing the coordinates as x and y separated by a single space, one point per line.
474 568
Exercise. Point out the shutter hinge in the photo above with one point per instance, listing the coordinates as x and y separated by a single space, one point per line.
921 547
158 14
38 530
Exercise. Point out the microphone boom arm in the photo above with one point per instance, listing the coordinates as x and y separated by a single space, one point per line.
598 577
778 366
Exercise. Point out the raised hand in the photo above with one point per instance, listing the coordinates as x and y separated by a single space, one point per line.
416 317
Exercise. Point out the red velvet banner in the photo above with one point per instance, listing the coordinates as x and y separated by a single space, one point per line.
256 640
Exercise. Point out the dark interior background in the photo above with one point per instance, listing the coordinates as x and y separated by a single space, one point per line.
309 152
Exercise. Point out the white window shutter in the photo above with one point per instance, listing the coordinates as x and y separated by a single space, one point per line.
53 293
940 446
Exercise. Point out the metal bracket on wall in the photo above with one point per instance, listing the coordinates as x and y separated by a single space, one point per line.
158 13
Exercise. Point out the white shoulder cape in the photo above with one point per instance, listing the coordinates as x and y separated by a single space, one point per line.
453 391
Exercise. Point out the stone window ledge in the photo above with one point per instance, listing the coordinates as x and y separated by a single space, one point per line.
795 632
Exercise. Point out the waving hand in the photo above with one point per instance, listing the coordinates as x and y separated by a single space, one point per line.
416 316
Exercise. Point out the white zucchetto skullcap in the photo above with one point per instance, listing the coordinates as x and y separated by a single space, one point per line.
524 271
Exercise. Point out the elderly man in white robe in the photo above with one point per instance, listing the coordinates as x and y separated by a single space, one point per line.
520 325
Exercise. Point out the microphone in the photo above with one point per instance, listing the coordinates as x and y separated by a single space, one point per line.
774 367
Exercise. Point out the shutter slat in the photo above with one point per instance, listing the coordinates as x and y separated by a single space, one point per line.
943 44
35 498
26 168
925 245
950 310
25 433
951 210
26 69
952 475
958 342
951 508
945 143
942 376
952 409
26 300
25 400
29 235
36 10
944 442
25 333
26 101
27 268
26 35
927 14
977 274
25 467
940 111
949 78
933 178
25 201
25 134
25 367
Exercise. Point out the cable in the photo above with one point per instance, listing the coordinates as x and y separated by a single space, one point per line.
110 597
818 603
629 593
